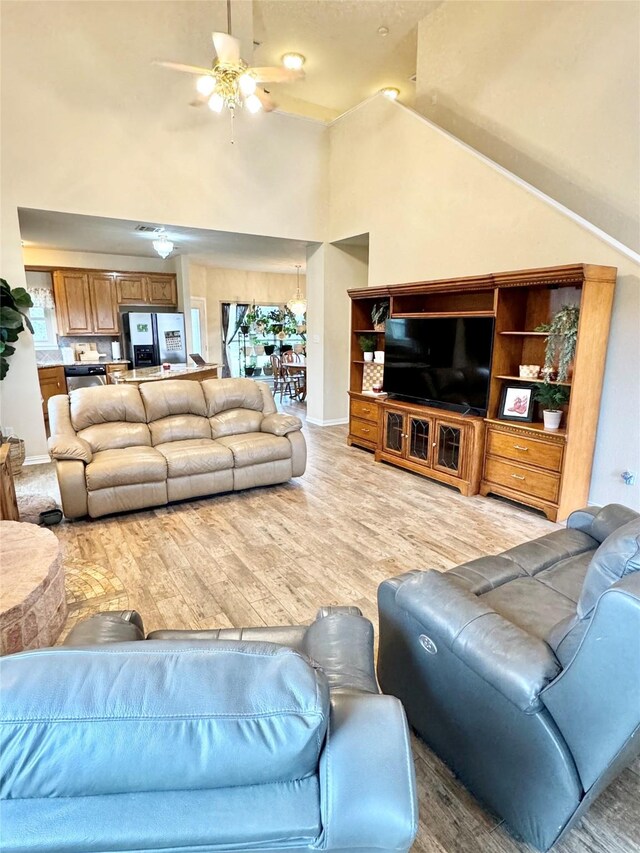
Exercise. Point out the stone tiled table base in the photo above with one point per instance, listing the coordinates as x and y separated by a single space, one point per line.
33 605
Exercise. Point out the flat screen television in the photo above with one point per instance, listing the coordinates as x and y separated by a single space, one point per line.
443 362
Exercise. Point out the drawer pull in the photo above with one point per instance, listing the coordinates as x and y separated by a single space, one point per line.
366 430
519 447
366 411
517 476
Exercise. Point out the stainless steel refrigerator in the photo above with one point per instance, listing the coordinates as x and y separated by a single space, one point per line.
152 339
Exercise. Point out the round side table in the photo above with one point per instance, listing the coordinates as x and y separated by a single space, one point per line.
33 604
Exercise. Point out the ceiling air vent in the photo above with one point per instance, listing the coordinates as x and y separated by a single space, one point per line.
148 229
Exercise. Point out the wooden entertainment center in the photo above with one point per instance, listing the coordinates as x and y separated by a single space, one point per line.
546 469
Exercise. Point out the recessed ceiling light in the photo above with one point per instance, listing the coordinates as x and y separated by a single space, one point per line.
383 31
293 61
390 92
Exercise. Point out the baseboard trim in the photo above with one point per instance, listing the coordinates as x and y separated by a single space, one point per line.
335 422
37 460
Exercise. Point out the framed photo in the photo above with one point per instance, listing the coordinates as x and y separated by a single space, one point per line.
516 403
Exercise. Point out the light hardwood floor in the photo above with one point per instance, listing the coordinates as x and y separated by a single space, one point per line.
273 556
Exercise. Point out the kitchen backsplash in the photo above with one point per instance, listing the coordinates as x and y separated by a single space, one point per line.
54 356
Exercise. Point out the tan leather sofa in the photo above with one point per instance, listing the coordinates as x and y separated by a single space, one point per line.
119 447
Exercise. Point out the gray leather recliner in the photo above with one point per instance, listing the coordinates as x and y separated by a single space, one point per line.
522 670
199 741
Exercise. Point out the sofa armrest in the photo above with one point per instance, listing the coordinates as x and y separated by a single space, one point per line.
341 642
70 447
367 764
601 522
514 662
596 700
120 626
280 424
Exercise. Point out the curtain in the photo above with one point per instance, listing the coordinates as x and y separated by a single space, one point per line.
227 335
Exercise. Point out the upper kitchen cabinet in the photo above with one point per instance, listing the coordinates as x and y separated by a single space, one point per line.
73 302
104 307
162 290
131 289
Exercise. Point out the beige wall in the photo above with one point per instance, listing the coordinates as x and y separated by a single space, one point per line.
331 271
89 126
229 285
33 256
547 89
435 209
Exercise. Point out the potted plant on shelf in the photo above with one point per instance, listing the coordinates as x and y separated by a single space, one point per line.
13 302
551 398
367 345
379 313
561 343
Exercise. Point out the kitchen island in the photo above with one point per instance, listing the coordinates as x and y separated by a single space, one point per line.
157 374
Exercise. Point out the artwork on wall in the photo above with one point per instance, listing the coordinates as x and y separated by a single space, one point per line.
516 403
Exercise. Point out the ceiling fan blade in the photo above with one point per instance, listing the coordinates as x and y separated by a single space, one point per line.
276 74
199 101
227 47
178 66
268 104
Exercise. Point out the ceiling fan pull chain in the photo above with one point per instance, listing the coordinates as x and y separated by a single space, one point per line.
229 16
233 115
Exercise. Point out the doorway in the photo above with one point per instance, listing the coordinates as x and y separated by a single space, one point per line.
199 337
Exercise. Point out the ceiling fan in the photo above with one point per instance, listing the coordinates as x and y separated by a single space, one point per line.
231 82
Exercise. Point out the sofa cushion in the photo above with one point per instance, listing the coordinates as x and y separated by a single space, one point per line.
159 716
609 518
179 428
531 605
125 466
254 448
114 434
195 456
544 552
235 422
103 403
619 555
172 397
223 394
567 576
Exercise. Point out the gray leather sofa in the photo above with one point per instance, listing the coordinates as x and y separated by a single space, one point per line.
522 671
271 739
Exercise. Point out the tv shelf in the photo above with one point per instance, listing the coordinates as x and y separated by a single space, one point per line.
535 381
548 470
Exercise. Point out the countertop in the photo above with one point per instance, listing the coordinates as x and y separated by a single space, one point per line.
154 374
122 361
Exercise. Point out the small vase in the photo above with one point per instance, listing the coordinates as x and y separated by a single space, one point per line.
551 419
368 356
378 327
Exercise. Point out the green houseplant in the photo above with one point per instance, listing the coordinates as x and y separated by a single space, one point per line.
561 343
12 321
551 398
367 345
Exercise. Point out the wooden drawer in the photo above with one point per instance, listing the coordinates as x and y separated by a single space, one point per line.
521 479
524 449
364 429
364 410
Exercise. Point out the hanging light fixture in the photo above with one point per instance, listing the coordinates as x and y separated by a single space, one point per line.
163 245
297 305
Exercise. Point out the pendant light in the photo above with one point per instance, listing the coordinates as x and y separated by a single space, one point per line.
163 245
297 305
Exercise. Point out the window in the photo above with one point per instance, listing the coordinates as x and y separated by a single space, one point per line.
44 332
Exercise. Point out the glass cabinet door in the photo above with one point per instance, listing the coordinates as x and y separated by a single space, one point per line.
419 431
393 432
448 448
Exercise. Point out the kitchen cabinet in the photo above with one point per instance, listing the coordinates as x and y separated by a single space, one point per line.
52 381
73 302
162 290
131 289
104 307
88 301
